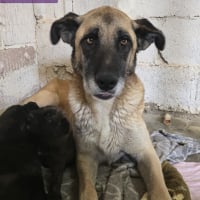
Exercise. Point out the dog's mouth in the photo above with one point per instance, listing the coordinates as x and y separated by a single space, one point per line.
92 88
104 95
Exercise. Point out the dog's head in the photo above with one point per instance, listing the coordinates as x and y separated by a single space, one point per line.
105 42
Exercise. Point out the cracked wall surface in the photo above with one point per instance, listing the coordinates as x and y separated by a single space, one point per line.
28 60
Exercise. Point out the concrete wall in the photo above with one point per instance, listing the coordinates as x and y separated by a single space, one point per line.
18 57
27 56
176 85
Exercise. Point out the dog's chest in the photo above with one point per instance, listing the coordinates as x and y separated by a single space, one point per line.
102 121
98 126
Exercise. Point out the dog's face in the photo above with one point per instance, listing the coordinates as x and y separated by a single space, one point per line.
105 42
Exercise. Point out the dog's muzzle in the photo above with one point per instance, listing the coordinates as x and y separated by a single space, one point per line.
106 84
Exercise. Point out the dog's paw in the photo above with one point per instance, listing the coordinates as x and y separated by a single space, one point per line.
178 197
145 196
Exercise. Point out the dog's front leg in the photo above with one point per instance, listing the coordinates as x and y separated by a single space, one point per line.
140 146
150 169
87 170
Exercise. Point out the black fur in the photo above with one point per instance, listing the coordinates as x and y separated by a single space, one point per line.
20 169
64 28
31 136
148 34
50 132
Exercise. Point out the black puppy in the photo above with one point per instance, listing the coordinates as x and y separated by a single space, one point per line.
50 132
29 136
20 169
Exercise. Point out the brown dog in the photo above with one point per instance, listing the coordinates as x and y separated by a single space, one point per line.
104 100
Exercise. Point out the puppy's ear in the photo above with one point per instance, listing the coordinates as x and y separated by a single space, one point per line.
30 106
64 28
147 34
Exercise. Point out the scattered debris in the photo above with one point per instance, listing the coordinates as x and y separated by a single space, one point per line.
167 119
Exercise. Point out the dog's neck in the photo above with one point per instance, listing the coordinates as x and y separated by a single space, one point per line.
104 106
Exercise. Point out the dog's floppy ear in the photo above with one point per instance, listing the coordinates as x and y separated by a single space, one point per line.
64 28
147 34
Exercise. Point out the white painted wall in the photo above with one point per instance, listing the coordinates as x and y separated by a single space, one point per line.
173 86
176 85
18 59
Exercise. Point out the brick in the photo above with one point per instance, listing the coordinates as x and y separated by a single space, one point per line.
181 40
49 54
18 23
17 85
15 58
171 88
156 8
181 47
52 11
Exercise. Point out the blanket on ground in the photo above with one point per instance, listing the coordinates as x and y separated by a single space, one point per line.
174 147
121 181
191 173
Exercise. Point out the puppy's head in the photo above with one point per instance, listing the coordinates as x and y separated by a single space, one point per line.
46 124
105 42
13 120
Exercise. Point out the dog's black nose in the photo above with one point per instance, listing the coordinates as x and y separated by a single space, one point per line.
106 82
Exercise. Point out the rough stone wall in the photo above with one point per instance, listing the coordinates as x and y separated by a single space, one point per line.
18 58
174 86
28 60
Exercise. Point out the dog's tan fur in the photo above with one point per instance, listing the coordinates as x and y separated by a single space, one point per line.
103 129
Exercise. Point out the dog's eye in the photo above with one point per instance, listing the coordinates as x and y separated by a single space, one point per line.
90 40
123 42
